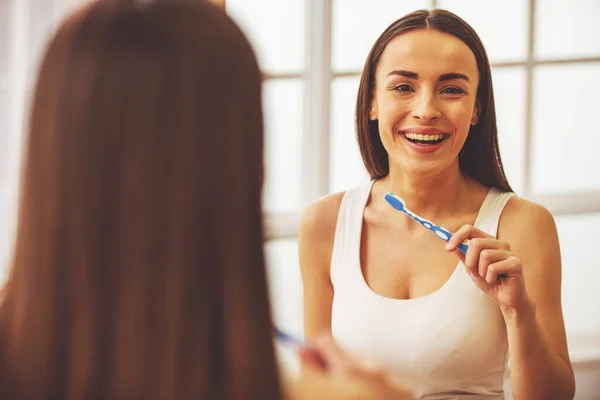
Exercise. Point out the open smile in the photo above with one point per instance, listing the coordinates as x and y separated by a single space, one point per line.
425 139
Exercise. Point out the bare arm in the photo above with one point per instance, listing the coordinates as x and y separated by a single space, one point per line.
539 357
315 244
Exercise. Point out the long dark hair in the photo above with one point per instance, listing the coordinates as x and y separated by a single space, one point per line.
139 270
479 157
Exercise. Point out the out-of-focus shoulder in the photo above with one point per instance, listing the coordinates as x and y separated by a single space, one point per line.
319 218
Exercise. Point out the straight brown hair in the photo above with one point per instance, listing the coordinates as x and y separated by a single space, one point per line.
479 158
138 270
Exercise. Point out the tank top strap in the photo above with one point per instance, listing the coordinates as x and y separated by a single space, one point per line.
348 227
491 209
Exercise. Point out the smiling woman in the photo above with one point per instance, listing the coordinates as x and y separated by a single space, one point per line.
445 320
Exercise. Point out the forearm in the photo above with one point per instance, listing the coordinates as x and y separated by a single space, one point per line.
537 372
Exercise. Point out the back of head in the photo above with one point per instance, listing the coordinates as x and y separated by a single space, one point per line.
138 269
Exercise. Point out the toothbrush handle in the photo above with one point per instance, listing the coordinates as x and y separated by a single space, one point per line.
463 248
298 344
285 337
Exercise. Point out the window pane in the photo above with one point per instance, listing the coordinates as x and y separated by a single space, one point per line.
580 255
4 135
509 94
567 28
4 239
285 284
5 226
4 37
6 217
357 24
284 110
41 23
565 143
346 167
285 289
276 29
490 20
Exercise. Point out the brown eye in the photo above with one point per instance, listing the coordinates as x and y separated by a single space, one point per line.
453 90
403 88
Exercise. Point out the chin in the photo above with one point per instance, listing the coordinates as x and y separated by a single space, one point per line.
425 168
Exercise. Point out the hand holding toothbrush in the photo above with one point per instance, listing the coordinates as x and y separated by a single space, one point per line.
489 261
328 372
488 258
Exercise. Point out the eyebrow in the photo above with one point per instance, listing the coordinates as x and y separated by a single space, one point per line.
444 77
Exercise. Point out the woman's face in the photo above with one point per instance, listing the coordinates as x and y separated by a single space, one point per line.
425 100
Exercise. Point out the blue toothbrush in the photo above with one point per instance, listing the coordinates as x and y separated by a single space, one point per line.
440 232
287 338
298 344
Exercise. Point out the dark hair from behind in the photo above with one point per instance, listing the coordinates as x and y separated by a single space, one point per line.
480 156
139 270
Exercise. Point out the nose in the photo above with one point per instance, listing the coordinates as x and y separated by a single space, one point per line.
425 107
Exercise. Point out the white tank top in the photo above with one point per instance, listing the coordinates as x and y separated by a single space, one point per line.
449 344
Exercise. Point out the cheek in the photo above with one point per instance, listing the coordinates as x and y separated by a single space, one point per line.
460 116
391 116
393 110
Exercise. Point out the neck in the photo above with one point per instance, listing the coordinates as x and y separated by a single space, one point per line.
429 196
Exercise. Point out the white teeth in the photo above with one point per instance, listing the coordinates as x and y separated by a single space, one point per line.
418 136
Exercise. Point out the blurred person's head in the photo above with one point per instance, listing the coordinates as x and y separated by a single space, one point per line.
138 270
428 75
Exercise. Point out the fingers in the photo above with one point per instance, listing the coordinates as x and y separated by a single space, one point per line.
483 250
477 261
465 233
487 257
311 358
489 265
506 267
337 360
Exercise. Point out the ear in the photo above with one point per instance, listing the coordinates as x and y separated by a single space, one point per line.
374 111
476 113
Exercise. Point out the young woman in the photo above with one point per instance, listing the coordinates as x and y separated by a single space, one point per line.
386 287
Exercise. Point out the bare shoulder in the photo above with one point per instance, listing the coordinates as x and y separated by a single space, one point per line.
316 232
526 220
531 232
319 218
